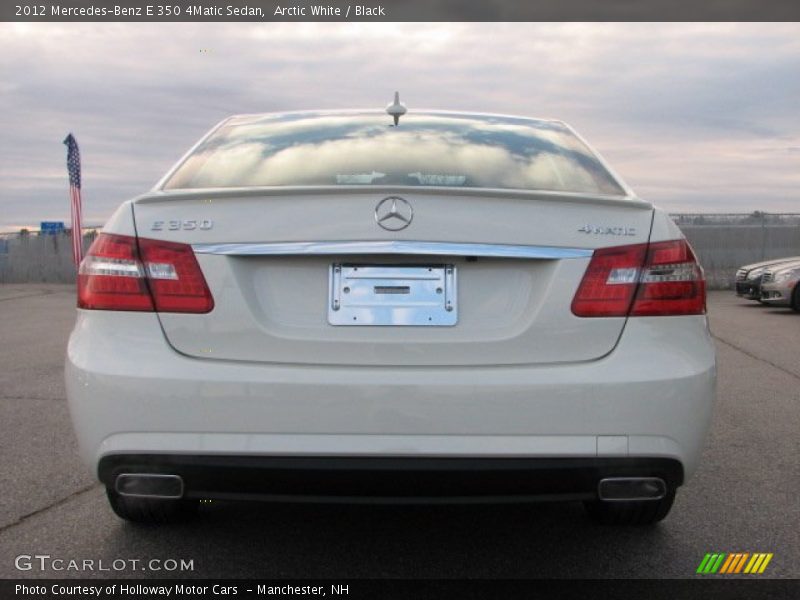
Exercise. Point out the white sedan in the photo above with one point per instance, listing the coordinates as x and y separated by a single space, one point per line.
355 306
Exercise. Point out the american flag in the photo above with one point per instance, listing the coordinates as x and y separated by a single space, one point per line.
74 169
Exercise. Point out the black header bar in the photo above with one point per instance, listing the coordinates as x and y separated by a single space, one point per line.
396 10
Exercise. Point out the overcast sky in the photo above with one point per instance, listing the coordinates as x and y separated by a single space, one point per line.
696 117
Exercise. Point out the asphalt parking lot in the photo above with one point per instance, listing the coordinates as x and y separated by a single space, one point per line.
744 497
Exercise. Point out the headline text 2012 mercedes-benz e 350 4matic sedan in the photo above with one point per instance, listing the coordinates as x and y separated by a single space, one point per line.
330 306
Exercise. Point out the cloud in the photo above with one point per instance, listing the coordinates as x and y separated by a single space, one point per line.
693 116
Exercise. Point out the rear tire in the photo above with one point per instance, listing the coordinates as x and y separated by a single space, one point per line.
152 511
641 512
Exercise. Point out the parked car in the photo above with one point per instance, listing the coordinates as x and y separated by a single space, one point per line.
748 277
367 307
779 285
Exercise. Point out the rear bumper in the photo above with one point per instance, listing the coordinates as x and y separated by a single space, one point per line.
131 394
389 478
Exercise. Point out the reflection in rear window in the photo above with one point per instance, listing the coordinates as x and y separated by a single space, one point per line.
426 149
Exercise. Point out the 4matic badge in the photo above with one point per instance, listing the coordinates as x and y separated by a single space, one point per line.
605 230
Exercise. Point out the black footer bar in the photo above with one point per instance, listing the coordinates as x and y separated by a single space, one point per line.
357 589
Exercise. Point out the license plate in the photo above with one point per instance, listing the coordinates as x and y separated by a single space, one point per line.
363 295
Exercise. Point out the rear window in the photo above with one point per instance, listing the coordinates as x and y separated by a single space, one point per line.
428 149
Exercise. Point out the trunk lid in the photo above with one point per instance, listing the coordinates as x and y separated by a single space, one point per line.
274 308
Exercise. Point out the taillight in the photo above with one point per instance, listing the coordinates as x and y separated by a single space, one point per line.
656 279
610 281
123 273
111 277
175 278
672 282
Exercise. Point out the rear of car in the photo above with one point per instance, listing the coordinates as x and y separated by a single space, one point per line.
323 306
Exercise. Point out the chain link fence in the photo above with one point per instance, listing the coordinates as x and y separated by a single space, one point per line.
723 242
31 256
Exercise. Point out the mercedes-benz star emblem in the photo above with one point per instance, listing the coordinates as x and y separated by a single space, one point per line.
393 213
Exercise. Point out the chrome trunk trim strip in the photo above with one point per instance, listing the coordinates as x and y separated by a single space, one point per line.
393 247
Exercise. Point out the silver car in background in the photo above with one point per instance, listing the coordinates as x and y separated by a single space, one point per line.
748 277
779 285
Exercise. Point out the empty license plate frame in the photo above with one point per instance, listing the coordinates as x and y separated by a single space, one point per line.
392 295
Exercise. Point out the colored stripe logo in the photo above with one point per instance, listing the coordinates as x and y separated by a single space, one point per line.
734 563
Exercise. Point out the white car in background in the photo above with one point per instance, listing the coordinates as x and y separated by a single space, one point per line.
341 307
779 285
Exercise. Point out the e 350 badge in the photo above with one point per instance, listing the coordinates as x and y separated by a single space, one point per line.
182 224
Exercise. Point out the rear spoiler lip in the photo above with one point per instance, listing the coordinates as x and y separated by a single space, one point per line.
156 196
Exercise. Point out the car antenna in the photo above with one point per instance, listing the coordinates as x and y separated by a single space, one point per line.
397 109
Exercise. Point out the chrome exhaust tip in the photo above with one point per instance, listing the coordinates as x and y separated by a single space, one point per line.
626 489
149 485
